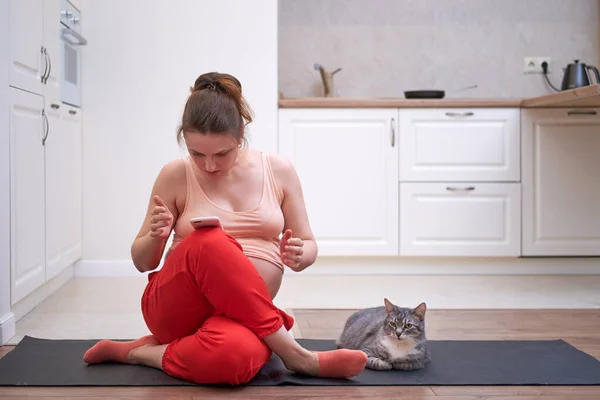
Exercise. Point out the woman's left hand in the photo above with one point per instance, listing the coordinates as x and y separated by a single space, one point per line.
291 250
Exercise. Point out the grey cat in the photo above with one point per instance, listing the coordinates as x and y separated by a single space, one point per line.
392 337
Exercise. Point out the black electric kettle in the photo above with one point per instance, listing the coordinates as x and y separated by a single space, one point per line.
576 75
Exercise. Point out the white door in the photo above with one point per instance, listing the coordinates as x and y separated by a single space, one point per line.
27 60
561 182
63 191
52 43
347 161
459 219
455 144
27 128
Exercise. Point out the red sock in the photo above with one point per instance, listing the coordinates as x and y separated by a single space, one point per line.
107 350
342 363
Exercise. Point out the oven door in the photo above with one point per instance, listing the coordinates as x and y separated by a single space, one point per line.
71 72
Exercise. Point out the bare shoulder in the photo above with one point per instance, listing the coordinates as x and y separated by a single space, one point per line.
171 184
172 171
285 175
282 166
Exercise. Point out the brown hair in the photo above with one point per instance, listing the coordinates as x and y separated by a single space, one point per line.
215 105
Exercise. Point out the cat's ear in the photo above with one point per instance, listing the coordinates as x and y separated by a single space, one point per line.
419 311
389 307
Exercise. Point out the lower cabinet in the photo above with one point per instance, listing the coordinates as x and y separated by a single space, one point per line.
347 162
486 182
45 190
561 182
460 219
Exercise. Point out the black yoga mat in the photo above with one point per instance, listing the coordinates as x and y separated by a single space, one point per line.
41 362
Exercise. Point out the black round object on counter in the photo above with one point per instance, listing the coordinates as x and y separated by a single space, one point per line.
424 94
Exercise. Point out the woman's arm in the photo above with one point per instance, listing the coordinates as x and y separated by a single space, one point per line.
294 209
146 250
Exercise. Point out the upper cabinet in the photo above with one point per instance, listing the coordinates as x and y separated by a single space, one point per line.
28 62
347 161
35 47
459 144
53 47
561 194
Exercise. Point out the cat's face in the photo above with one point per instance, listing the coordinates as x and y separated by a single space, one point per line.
404 323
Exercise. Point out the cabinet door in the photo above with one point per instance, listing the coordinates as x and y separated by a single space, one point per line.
52 43
347 161
27 61
63 191
27 128
561 193
455 144
458 219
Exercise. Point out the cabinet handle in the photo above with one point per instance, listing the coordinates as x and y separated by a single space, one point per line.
590 112
72 112
463 189
47 128
49 66
55 106
43 51
459 114
393 129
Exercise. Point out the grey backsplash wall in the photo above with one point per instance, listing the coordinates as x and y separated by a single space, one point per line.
387 46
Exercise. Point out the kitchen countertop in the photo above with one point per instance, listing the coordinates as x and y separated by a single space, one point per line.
588 96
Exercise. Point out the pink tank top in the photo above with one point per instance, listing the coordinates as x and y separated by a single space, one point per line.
257 230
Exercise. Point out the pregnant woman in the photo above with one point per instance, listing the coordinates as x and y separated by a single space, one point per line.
209 308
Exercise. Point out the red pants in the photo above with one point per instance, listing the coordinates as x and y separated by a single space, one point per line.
212 307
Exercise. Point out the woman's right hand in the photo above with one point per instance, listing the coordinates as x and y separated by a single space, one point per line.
161 220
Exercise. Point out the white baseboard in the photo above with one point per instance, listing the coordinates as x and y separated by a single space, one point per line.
7 328
342 266
106 268
33 299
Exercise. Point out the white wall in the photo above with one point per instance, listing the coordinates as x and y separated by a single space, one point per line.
5 316
141 59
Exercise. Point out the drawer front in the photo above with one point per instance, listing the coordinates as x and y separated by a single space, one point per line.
466 145
458 219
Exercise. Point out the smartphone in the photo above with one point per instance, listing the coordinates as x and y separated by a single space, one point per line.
206 222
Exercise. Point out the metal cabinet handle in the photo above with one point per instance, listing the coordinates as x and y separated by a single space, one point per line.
581 112
49 66
459 114
463 189
72 112
55 106
47 128
393 129
43 51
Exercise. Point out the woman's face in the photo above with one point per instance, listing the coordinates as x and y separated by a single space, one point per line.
214 154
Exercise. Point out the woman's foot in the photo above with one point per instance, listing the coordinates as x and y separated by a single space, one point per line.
108 350
342 363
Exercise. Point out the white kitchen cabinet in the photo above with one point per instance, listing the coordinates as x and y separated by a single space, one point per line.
457 219
27 129
35 47
45 151
561 190
27 60
63 191
457 144
347 162
52 43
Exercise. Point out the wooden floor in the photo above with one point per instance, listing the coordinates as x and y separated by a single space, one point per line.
581 328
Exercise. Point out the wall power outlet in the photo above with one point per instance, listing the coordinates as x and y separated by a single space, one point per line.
533 65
